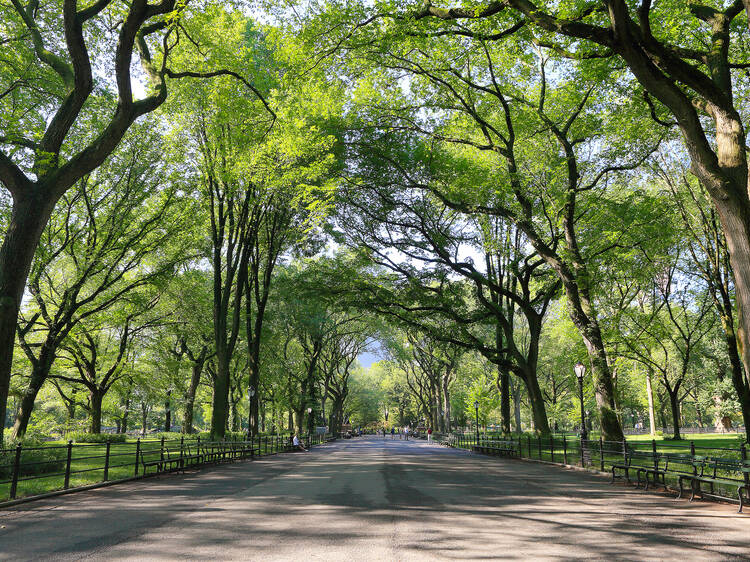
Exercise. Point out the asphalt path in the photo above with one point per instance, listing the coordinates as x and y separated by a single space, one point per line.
374 499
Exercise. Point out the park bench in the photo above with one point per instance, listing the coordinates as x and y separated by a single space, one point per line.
191 458
732 473
641 462
168 461
496 447
227 451
670 463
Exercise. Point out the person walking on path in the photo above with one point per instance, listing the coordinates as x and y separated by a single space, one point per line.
393 433
429 435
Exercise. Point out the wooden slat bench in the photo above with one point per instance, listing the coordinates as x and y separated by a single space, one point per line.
497 448
168 461
640 462
732 473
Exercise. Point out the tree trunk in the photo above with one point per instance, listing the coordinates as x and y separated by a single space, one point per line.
300 415
144 418
739 379
235 425
96 396
70 406
650 396
39 375
517 406
538 411
254 380
603 387
504 401
195 379
220 402
28 219
674 404
124 425
446 406
168 413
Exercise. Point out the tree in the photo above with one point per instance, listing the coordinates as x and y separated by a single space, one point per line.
123 227
98 355
51 135
692 69
709 253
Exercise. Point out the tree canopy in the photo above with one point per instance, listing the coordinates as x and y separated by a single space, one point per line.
280 216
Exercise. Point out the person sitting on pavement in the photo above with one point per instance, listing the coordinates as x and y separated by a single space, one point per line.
296 443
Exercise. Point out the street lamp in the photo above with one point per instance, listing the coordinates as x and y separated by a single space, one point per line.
580 370
476 412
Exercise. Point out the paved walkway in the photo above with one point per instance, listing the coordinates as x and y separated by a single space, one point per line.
369 499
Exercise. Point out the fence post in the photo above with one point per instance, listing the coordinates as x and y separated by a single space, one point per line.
653 450
161 448
551 448
67 465
106 462
743 455
624 450
138 454
565 449
539 445
601 453
16 471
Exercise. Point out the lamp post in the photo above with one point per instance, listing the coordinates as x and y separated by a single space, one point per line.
580 370
476 412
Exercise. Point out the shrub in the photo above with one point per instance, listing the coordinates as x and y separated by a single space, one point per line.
228 436
172 435
35 459
81 437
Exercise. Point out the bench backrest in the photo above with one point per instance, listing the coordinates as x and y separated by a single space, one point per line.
678 459
640 456
732 466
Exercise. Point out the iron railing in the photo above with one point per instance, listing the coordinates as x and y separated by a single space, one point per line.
37 470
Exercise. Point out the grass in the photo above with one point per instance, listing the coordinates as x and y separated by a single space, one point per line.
701 440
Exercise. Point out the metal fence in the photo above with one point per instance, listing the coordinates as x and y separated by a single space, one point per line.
600 454
37 470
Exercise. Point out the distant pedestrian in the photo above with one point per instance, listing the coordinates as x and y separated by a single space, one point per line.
393 433
429 435
296 443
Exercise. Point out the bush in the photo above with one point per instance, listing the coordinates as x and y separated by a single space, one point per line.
35 459
81 437
228 436
171 436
